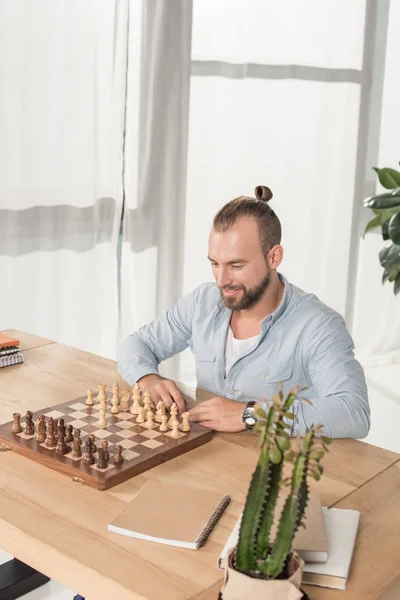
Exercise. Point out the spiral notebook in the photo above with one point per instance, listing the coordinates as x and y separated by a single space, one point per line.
170 513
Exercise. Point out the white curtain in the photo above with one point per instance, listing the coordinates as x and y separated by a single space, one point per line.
126 124
62 73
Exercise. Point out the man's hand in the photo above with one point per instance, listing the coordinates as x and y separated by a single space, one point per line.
162 389
219 414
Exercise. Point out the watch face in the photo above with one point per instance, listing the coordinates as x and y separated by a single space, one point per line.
249 416
250 421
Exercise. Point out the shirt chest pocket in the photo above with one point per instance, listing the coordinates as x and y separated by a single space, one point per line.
266 380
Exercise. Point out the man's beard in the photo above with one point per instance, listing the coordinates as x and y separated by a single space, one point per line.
248 298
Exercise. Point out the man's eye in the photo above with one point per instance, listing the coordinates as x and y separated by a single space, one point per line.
237 266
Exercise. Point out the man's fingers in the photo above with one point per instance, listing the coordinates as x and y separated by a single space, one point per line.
197 415
178 398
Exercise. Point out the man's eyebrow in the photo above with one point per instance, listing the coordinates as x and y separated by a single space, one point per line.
231 262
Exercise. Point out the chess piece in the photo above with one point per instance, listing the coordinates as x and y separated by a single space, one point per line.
150 423
118 460
61 427
160 411
16 428
185 422
102 421
101 461
140 417
147 401
29 430
136 399
41 429
164 426
101 396
76 447
124 406
88 458
50 440
69 437
115 404
104 445
175 429
56 429
92 439
174 414
62 447
116 389
89 398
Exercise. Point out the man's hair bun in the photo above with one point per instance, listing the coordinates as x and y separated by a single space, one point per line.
262 192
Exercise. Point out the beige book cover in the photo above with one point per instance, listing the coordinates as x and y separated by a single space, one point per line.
341 526
172 514
311 543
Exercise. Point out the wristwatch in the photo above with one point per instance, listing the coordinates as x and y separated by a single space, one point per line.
249 415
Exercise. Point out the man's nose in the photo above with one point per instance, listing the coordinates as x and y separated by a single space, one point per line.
223 277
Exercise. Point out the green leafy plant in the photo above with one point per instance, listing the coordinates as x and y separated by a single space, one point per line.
386 208
256 553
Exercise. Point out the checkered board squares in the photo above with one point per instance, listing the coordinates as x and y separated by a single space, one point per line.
142 448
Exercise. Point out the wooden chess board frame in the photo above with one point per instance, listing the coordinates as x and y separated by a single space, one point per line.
142 448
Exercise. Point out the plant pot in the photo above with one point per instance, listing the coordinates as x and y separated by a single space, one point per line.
239 586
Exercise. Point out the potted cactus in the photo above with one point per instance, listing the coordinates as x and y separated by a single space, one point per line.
262 568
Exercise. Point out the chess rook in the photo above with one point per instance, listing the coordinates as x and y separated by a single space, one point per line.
16 428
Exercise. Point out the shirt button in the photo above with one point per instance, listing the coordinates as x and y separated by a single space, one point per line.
230 391
267 377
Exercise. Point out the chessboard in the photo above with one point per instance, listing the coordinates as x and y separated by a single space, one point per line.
140 444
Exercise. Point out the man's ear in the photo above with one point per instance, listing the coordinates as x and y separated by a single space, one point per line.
275 256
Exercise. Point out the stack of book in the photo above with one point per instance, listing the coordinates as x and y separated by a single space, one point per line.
326 545
9 351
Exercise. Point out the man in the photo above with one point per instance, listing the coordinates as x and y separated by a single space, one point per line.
251 330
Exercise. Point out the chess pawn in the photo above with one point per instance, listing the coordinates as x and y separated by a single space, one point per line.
29 430
61 427
50 440
175 429
89 398
115 389
92 439
88 458
140 417
16 428
136 399
174 413
164 426
102 421
101 396
115 403
124 406
41 429
69 437
101 461
160 410
76 446
185 422
56 429
150 423
61 447
104 445
147 401
118 460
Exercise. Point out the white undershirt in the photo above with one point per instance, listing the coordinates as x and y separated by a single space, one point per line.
236 349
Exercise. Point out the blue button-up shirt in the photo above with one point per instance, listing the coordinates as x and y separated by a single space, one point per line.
303 342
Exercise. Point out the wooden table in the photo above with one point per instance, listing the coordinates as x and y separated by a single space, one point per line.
60 527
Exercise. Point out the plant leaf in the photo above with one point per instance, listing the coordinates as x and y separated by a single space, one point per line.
394 228
396 287
383 201
389 178
384 253
326 440
375 222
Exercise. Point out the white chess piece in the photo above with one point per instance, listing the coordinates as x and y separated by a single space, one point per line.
164 426
102 421
160 411
150 423
175 430
115 403
124 406
185 422
89 398
136 399
140 417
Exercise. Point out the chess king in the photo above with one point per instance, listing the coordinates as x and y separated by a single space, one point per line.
250 330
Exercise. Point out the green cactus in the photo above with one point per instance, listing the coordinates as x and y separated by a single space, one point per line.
256 553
